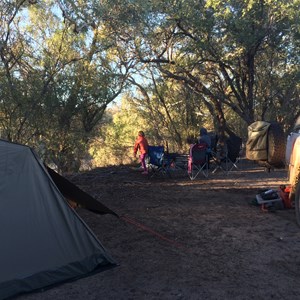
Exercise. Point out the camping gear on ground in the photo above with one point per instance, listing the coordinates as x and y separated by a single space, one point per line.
269 200
266 144
43 240
198 160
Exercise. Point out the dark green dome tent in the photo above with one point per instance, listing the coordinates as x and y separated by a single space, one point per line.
43 240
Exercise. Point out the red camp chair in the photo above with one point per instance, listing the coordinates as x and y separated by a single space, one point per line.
198 160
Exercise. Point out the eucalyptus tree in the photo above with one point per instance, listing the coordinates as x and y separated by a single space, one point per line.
57 80
241 55
83 89
130 24
173 110
223 49
13 93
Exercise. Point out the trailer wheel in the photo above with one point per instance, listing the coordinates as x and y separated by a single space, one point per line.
276 146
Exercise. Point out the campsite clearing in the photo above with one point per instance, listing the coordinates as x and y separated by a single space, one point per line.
183 239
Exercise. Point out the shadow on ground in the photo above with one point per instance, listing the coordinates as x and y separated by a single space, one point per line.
183 239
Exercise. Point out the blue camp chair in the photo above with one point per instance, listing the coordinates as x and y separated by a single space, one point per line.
158 162
198 160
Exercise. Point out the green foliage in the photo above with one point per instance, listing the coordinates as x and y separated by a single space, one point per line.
214 63
56 85
117 135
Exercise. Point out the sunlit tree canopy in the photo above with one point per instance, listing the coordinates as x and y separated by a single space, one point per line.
179 64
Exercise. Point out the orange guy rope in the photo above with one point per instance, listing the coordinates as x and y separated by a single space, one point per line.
131 221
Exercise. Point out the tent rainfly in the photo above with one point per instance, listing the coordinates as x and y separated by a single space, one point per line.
43 240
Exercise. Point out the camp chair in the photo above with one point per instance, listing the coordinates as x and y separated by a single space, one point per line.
226 156
234 150
219 159
158 163
198 160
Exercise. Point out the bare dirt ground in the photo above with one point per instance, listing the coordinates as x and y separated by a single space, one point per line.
198 239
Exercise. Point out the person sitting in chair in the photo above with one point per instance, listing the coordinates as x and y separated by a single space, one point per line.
204 137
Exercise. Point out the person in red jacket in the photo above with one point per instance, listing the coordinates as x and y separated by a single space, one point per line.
141 144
